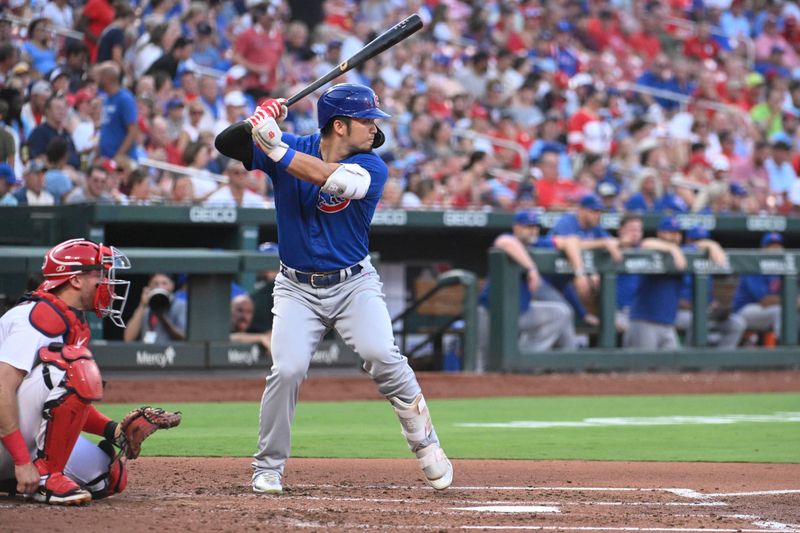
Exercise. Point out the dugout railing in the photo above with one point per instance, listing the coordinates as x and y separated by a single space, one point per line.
446 305
504 275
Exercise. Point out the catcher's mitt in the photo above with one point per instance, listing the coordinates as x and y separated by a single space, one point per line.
140 424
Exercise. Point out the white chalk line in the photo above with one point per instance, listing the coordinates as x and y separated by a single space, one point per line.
318 525
505 502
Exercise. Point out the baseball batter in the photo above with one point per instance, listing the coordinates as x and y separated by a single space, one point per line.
327 186
48 381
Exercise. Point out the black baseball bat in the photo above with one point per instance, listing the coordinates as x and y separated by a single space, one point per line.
385 40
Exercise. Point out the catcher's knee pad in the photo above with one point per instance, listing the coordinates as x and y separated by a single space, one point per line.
65 419
114 480
415 419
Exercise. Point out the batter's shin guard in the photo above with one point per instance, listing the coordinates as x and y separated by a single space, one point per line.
114 480
65 419
417 426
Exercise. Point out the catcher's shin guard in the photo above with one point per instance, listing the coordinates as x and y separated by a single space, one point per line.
112 481
65 419
415 419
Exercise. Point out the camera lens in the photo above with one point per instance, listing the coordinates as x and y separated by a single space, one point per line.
159 301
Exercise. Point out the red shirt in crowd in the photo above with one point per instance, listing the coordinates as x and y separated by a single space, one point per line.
588 131
702 50
645 43
553 194
262 48
99 14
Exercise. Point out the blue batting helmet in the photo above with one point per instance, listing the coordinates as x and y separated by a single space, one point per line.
350 100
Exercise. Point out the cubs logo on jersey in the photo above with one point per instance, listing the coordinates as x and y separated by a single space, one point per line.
331 204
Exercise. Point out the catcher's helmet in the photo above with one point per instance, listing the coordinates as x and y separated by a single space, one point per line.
350 100
75 256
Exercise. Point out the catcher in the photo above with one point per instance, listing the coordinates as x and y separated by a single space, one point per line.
48 381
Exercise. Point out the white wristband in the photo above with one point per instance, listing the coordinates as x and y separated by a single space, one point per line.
278 152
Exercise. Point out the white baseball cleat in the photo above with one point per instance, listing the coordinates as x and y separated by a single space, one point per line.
267 482
437 468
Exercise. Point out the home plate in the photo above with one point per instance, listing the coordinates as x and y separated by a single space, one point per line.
511 509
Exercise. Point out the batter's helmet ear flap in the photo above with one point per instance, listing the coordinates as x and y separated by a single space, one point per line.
379 139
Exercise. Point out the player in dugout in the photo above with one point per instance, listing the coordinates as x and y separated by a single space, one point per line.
49 380
327 186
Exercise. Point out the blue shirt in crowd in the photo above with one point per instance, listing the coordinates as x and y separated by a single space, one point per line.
119 112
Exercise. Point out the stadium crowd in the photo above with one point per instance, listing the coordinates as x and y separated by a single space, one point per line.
667 106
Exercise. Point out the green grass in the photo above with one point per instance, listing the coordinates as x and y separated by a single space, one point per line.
370 429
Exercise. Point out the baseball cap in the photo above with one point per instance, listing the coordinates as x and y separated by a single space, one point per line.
771 238
7 174
526 217
42 87
590 201
35 166
79 97
669 224
56 73
781 140
110 165
607 188
563 26
697 233
235 99
175 103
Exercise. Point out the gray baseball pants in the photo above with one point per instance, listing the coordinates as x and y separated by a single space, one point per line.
760 318
730 330
356 308
650 336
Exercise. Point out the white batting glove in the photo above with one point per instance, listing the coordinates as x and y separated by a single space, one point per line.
267 135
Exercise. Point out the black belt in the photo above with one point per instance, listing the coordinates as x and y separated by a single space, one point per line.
321 280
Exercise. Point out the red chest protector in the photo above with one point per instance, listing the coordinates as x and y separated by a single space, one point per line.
53 317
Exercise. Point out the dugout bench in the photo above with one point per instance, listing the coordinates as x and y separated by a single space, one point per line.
504 275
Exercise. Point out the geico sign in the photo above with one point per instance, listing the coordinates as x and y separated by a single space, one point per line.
465 218
226 215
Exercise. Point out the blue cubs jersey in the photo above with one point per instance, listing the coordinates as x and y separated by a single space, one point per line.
318 232
626 289
568 225
753 288
656 299
525 296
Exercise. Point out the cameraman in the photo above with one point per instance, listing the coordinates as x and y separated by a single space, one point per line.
160 317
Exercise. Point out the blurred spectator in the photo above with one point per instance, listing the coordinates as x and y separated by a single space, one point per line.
119 128
182 192
8 144
242 310
168 63
139 187
116 181
7 181
112 43
38 50
160 317
758 296
54 126
94 189
259 50
33 191
646 199
96 15
32 113
75 64
553 192
59 13
235 193
57 180
780 172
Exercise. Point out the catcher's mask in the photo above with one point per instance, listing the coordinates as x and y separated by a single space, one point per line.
76 256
